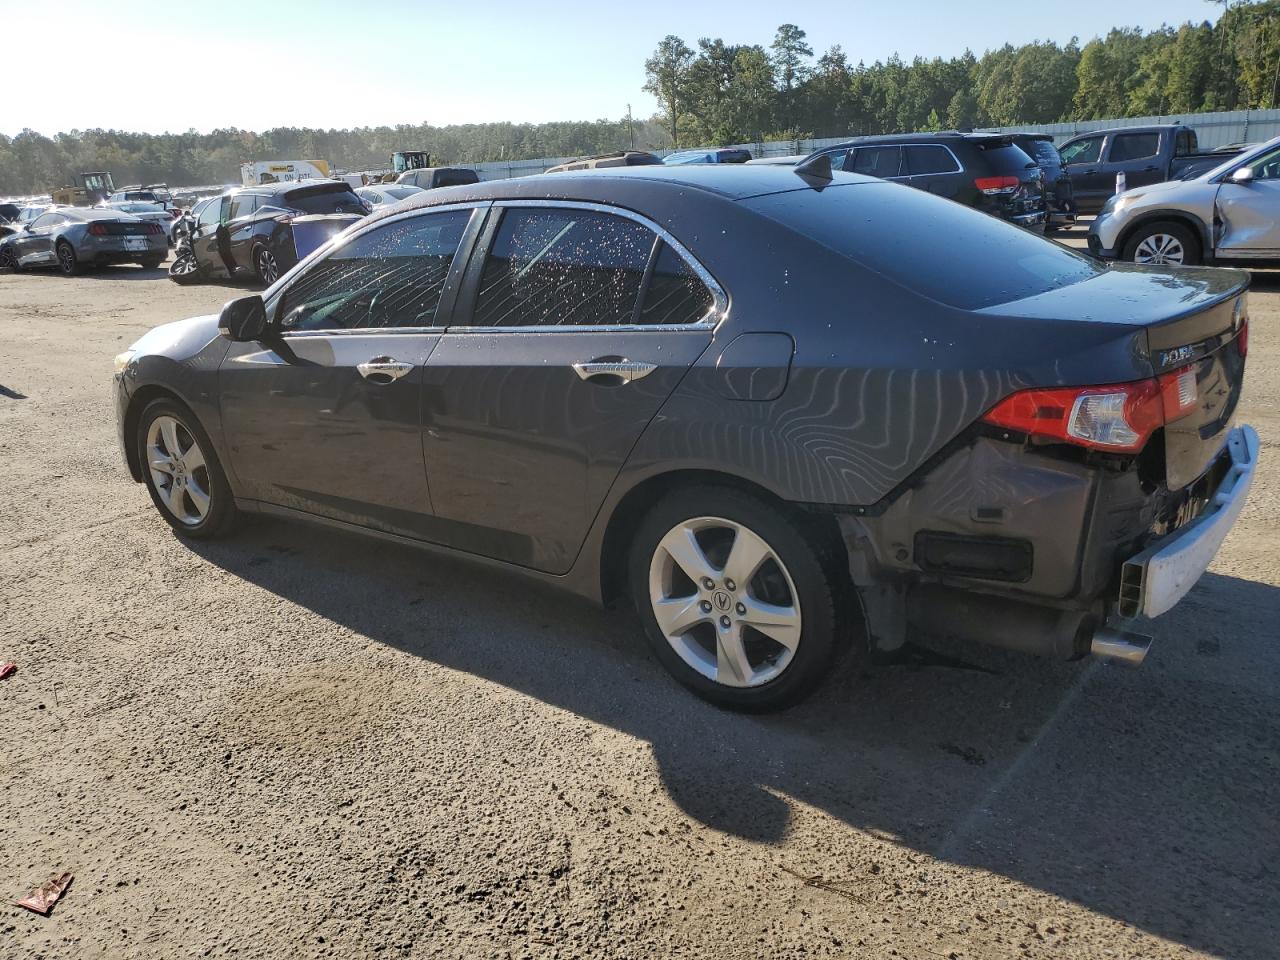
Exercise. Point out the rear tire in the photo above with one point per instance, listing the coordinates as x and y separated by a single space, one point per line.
182 472
265 266
152 264
68 263
1163 243
702 624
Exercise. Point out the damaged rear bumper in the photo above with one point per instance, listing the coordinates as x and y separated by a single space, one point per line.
1153 581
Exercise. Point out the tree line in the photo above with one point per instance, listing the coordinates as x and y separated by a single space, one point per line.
720 92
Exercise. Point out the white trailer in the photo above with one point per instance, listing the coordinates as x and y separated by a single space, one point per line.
279 171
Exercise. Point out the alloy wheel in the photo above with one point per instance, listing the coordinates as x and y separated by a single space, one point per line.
725 601
8 259
178 470
267 268
66 258
1159 248
184 264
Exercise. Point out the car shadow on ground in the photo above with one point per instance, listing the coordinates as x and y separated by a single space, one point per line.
1146 795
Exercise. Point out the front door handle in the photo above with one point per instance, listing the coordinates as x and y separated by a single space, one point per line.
383 370
614 370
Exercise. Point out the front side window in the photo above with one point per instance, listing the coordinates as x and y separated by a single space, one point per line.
392 276
880 162
48 220
926 159
1133 146
563 267
242 205
211 215
1083 151
1267 166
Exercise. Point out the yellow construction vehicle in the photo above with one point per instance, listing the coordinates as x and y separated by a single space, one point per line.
90 188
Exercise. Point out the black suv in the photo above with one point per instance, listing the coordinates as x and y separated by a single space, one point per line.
986 171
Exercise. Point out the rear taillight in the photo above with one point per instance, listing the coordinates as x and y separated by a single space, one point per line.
992 186
1242 338
98 229
174 213
154 227
1119 417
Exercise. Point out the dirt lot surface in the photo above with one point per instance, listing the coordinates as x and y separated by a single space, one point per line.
297 743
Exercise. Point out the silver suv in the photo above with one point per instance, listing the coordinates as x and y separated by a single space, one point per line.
1231 213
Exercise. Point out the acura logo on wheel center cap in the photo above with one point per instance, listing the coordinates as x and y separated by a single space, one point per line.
722 600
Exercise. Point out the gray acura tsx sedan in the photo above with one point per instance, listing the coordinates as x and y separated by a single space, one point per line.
789 414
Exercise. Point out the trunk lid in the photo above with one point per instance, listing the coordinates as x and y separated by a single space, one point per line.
1190 318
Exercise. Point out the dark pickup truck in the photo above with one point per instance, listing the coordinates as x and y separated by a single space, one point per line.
1145 154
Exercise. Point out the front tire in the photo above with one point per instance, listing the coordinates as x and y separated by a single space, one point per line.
9 259
182 471
1164 243
741 600
184 269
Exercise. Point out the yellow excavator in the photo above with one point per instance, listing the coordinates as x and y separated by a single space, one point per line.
403 160
90 188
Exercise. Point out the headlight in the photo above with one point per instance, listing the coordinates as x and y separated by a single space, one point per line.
122 360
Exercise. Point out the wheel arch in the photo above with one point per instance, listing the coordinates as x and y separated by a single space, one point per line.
1187 219
630 510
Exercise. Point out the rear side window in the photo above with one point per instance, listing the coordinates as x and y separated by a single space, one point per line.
676 294
563 267
1083 151
876 161
330 201
389 277
928 158
1133 146
974 260
1184 143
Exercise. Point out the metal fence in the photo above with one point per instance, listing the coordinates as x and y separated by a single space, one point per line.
1212 130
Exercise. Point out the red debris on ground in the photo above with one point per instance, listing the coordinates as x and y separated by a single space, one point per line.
6 669
43 899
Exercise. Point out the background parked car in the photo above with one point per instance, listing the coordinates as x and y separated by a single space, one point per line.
72 238
1228 213
157 193
264 230
986 171
428 178
1059 207
619 158
8 211
724 155
382 194
147 211
1145 155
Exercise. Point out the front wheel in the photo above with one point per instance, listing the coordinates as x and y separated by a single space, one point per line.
740 600
182 471
8 259
1163 244
184 268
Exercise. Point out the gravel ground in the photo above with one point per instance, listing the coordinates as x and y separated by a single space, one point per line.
297 743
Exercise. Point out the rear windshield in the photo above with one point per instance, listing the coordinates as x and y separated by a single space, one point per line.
1043 152
326 201
943 250
1006 158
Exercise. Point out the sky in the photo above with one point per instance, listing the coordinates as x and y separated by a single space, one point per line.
151 66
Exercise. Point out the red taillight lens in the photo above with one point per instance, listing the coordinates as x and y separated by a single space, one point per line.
1242 338
98 229
174 213
1119 417
154 228
993 185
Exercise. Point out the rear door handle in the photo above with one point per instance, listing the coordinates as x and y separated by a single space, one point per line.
624 370
383 370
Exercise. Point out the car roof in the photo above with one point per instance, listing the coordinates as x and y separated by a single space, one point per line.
1147 128
941 136
91 213
619 186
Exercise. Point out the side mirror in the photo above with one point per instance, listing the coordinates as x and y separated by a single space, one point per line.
1242 175
244 319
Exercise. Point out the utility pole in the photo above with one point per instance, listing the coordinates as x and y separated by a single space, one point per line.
631 127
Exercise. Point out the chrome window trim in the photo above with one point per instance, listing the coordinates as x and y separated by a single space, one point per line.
719 299
271 296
